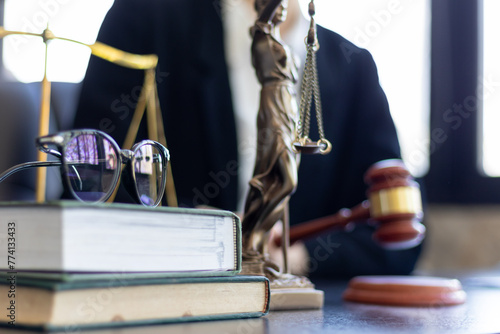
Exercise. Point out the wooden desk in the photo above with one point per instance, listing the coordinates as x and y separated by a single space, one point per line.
480 314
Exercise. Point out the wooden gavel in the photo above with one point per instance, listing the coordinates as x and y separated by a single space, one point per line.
394 202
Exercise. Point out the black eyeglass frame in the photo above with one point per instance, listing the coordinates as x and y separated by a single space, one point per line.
124 157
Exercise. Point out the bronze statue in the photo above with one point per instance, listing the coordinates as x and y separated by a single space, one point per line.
275 174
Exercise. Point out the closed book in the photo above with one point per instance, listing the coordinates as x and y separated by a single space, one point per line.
70 237
72 306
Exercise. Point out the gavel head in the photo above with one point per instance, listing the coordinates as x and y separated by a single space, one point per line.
395 203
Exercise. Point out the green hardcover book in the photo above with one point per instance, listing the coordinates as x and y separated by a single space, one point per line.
75 240
73 306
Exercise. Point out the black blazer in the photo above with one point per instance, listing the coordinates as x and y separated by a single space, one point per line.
196 103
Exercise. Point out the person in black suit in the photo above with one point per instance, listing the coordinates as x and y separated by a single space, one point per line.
198 107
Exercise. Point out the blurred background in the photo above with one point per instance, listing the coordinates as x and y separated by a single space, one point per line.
438 62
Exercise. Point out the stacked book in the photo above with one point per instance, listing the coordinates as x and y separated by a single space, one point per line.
67 265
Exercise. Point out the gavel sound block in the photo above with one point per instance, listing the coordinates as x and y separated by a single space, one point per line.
394 204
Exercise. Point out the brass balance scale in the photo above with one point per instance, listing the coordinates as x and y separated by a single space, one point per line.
148 102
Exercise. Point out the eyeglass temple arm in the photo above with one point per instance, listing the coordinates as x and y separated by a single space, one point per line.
41 146
26 165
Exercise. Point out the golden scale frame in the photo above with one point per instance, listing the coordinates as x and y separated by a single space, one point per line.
148 103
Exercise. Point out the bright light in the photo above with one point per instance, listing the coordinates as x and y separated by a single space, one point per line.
397 33
24 56
491 95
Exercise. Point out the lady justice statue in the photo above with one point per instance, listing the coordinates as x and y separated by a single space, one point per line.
279 141
275 174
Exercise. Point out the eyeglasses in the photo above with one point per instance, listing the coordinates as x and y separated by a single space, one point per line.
91 164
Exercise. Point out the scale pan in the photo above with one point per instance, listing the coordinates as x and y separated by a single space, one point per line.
322 146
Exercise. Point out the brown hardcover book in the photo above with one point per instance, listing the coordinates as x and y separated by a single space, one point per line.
75 305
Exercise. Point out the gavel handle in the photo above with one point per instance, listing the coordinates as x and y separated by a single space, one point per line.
339 220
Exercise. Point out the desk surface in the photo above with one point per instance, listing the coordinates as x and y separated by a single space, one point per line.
480 314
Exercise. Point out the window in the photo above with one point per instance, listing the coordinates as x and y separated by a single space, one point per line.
456 173
397 33
490 89
23 56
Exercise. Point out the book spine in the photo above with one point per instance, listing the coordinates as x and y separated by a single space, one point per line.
237 245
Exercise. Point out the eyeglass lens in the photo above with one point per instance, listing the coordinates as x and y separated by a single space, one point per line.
91 162
148 170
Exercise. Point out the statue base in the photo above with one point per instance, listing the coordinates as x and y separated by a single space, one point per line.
288 292
296 299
